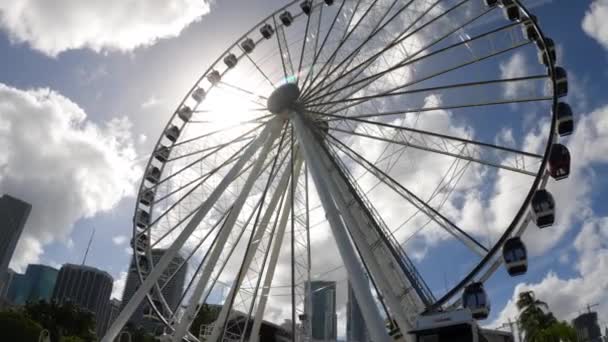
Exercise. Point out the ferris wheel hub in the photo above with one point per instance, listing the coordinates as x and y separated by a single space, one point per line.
284 98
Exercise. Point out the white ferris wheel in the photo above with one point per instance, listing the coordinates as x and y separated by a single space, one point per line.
368 122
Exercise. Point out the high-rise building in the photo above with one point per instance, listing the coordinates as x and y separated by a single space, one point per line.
115 305
171 290
36 284
323 312
587 328
356 331
13 215
89 288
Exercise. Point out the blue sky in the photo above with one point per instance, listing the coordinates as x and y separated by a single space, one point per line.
112 85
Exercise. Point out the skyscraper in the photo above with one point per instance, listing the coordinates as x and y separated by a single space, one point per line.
88 287
324 319
13 215
356 330
36 284
587 329
172 291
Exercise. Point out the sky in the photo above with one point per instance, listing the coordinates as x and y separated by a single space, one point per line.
86 88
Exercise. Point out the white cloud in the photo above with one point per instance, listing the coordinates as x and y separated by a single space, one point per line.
595 24
119 240
516 67
119 285
152 101
56 26
66 166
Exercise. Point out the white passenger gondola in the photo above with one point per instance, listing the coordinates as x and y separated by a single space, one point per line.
162 154
475 299
559 162
561 81
198 95
565 120
153 175
511 10
546 51
306 6
185 113
214 77
147 197
543 207
515 256
144 266
491 3
286 18
230 60
142 219
266 31
248 45
172 133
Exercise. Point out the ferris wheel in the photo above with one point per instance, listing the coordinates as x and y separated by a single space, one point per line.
372 124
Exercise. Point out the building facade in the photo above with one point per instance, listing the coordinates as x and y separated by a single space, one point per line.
36 284
172 289
356 331
13 216
323 311
89 288
587 328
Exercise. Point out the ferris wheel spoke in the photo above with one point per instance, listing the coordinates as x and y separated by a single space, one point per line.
305 85
400 38
442 72
352 55
205 156
303 49
283 49
444 87
243 90
421 145
429 109
258 68
318 17
215 148
406 194
341 43
227 128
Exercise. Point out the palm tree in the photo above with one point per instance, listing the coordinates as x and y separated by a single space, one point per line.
539 324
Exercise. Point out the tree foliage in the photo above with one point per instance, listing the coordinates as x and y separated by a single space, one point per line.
206 315
539 324
66 319
15 326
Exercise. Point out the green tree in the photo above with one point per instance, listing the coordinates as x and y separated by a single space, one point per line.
539 324
206 315
15 326
65 319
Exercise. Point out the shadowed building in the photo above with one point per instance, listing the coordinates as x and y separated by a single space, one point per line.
87 287
13 215
324 319
172 291
587 328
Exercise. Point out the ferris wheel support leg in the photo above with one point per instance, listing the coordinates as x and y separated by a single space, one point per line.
168 256
189 314
359 282
388 287
218 326
272 263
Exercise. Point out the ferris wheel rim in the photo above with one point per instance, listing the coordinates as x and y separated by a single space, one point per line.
495 247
